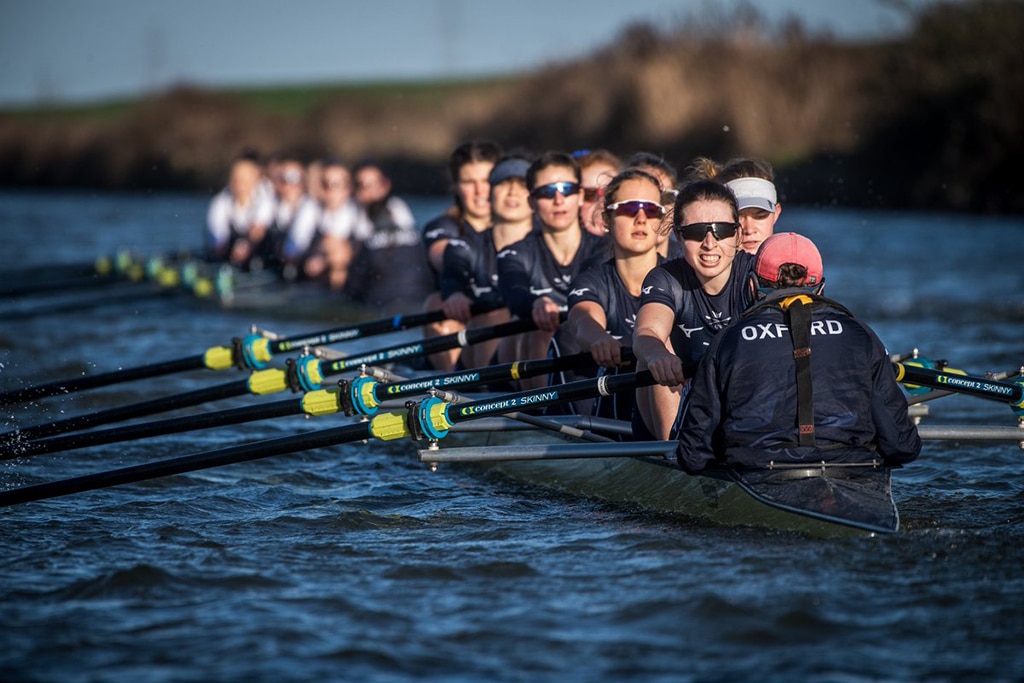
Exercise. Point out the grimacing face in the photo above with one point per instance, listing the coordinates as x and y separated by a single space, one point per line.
710 257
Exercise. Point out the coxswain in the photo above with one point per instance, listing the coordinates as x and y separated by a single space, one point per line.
797 380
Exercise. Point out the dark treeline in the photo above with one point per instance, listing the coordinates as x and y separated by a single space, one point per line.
931 120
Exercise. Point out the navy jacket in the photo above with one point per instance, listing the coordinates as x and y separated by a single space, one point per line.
742 407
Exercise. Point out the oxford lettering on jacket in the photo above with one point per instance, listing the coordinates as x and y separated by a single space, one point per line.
778 330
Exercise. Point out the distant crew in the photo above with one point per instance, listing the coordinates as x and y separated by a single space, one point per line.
320 243
288 177
389 271
238 216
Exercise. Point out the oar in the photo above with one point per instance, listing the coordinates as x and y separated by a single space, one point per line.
131 294
73 284
253 352
44 272
357 397
982 387
430 419
303 374
122 267
939 393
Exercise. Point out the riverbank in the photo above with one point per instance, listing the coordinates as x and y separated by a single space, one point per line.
929 120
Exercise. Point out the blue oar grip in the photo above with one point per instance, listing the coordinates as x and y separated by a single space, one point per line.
307 370
361 393
256 353
432 419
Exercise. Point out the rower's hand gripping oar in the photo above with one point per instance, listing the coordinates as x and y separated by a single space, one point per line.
430 419
253 352
303 374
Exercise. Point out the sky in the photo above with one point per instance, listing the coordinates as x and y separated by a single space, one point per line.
77 51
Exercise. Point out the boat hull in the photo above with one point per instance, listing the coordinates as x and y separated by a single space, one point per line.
641 476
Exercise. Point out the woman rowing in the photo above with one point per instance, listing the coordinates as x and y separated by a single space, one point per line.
469 166
686 302
534 275
373 280
287 175
470 271
604 300
320 243
237 217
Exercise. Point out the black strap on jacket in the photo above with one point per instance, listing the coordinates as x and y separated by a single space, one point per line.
800 332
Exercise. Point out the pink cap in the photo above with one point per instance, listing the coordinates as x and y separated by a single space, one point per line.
788 247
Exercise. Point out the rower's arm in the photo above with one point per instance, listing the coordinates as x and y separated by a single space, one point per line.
588 324
651 344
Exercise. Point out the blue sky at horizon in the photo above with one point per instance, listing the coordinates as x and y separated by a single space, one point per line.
62 52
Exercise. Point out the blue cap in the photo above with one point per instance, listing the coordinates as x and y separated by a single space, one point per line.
507 169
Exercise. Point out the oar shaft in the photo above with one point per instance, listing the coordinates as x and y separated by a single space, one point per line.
205 420
981 387
476 376
104 379
188 463
192 398
561 393
427 346
67 284
367 329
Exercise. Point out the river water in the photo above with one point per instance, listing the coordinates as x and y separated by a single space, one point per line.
357 563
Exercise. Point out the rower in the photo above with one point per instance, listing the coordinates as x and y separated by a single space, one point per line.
238 215
374 280
605 298
758 401
685 302
535 274
753 183
470 271
469 166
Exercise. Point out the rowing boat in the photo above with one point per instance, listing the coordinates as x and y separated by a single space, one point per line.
820 500
816 501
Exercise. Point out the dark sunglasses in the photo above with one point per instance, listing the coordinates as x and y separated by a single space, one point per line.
549 191
592 194
631 207
696 231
